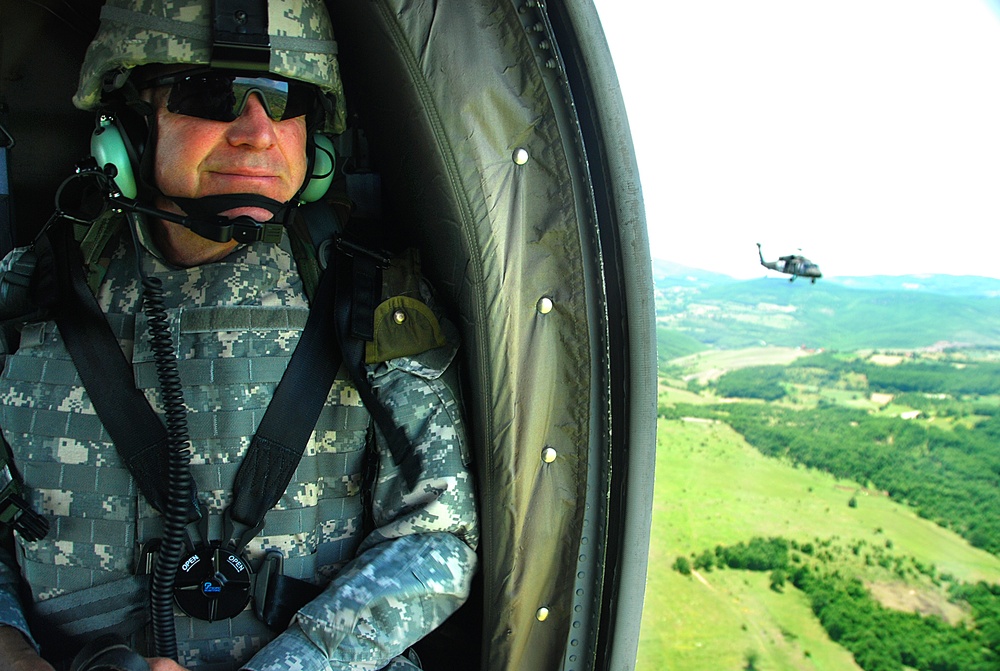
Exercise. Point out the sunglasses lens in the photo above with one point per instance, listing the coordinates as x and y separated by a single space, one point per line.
222 98
204 97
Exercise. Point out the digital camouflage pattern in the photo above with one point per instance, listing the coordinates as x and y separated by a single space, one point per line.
235 324
140 32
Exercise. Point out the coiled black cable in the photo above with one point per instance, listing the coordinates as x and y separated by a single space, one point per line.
179 479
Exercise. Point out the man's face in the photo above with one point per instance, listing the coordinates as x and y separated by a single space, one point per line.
253 154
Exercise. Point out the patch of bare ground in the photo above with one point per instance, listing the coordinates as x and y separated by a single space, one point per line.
702 580
914 599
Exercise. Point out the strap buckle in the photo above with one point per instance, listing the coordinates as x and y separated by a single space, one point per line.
15 512
350 248
264 583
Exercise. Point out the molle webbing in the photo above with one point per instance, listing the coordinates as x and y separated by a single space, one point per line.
71 620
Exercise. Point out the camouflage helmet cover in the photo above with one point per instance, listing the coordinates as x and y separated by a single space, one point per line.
141 32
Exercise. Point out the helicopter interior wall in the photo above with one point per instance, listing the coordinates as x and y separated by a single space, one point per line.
40 56
485 175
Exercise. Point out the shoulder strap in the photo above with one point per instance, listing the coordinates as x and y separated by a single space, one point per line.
289 420
337 316
139 435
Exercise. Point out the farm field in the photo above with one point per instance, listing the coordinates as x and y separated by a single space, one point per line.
712 488
708 365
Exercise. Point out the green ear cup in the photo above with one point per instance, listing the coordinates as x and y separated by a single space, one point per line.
108 146
322 171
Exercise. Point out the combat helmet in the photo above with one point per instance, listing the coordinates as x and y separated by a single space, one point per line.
299 44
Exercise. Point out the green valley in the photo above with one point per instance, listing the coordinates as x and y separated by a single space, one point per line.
769 454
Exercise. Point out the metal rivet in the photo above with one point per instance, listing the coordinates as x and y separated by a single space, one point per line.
399 316
545 305
520 156
542 614
549 455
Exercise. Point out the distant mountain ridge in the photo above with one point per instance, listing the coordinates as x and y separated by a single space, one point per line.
907 312
946 285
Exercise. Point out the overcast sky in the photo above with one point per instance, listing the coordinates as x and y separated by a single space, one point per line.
864 132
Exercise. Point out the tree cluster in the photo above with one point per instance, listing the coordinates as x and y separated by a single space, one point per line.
880 638
759 382
978 378
883 639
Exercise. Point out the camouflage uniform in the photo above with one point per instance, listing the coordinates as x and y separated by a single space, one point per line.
234 325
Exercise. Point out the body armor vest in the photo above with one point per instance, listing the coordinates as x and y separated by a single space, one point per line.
235 324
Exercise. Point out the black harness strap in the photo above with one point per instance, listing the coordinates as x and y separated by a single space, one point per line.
139 435
141 438
289 420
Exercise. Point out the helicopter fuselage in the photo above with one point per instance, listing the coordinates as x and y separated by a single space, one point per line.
792 264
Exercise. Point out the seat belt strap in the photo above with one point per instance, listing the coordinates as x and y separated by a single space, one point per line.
284 597
139 435
289 420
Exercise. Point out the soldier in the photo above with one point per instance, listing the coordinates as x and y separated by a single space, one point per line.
219 121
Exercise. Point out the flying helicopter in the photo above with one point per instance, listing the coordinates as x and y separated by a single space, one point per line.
795 265
507 160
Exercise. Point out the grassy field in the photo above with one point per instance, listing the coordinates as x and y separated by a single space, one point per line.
705 366
712 488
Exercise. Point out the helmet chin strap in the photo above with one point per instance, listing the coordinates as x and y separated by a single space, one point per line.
204 217
212 206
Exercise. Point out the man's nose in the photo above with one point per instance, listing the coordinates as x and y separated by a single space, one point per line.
253 126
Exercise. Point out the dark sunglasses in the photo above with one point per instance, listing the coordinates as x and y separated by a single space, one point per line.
222 96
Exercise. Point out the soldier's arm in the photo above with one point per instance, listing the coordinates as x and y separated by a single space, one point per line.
416 567
16 654
17 651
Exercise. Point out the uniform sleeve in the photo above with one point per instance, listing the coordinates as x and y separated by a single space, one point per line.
415 569
11 610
